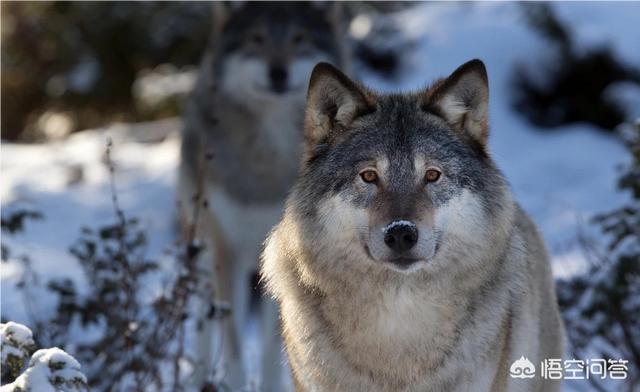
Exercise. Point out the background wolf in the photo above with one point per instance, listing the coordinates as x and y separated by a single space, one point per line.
240 146
402 262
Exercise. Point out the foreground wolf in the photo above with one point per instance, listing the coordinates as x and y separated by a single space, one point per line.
402 263
242 137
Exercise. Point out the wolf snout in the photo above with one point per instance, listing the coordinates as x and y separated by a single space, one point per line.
278 76
401 236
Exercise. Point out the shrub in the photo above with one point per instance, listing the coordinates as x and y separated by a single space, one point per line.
601 308
49 370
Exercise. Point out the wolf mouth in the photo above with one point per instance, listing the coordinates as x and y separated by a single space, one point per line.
401 263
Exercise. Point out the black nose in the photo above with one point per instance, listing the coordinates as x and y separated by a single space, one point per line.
401 236
278 76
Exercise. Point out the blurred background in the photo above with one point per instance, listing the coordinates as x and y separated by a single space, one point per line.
565 105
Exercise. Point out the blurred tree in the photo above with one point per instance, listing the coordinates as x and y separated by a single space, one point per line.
575 84
379 44
83 57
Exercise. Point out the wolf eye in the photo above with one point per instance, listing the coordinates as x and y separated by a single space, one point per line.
298 38
369 176
432 175
257 38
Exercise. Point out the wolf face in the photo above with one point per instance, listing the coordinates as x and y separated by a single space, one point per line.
268 50
399 181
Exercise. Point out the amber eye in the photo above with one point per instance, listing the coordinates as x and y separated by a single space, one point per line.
432 175
369 176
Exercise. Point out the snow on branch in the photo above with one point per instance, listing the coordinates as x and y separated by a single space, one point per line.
49 370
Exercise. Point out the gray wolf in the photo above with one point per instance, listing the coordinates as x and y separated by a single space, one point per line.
402 262
240 143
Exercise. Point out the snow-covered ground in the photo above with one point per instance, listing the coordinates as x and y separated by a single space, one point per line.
561 178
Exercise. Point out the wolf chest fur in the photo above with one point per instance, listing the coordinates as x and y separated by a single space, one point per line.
402 262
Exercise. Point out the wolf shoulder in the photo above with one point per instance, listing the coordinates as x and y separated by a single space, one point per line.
539 287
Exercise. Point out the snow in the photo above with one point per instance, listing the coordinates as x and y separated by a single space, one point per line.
50 370
597 25
17 333
15 340
397 223
152 88
561 178
37 177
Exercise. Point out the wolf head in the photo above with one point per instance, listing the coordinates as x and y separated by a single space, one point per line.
266 50
399 181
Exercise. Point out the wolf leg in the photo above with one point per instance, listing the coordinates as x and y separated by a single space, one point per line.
238 283
218 344
271 346
205 324
190 226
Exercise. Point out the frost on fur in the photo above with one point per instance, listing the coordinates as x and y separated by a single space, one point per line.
50 370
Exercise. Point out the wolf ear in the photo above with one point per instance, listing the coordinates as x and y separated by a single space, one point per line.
221 11
462 100
219 16
333 102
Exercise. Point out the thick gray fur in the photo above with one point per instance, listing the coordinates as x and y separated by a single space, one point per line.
454 312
